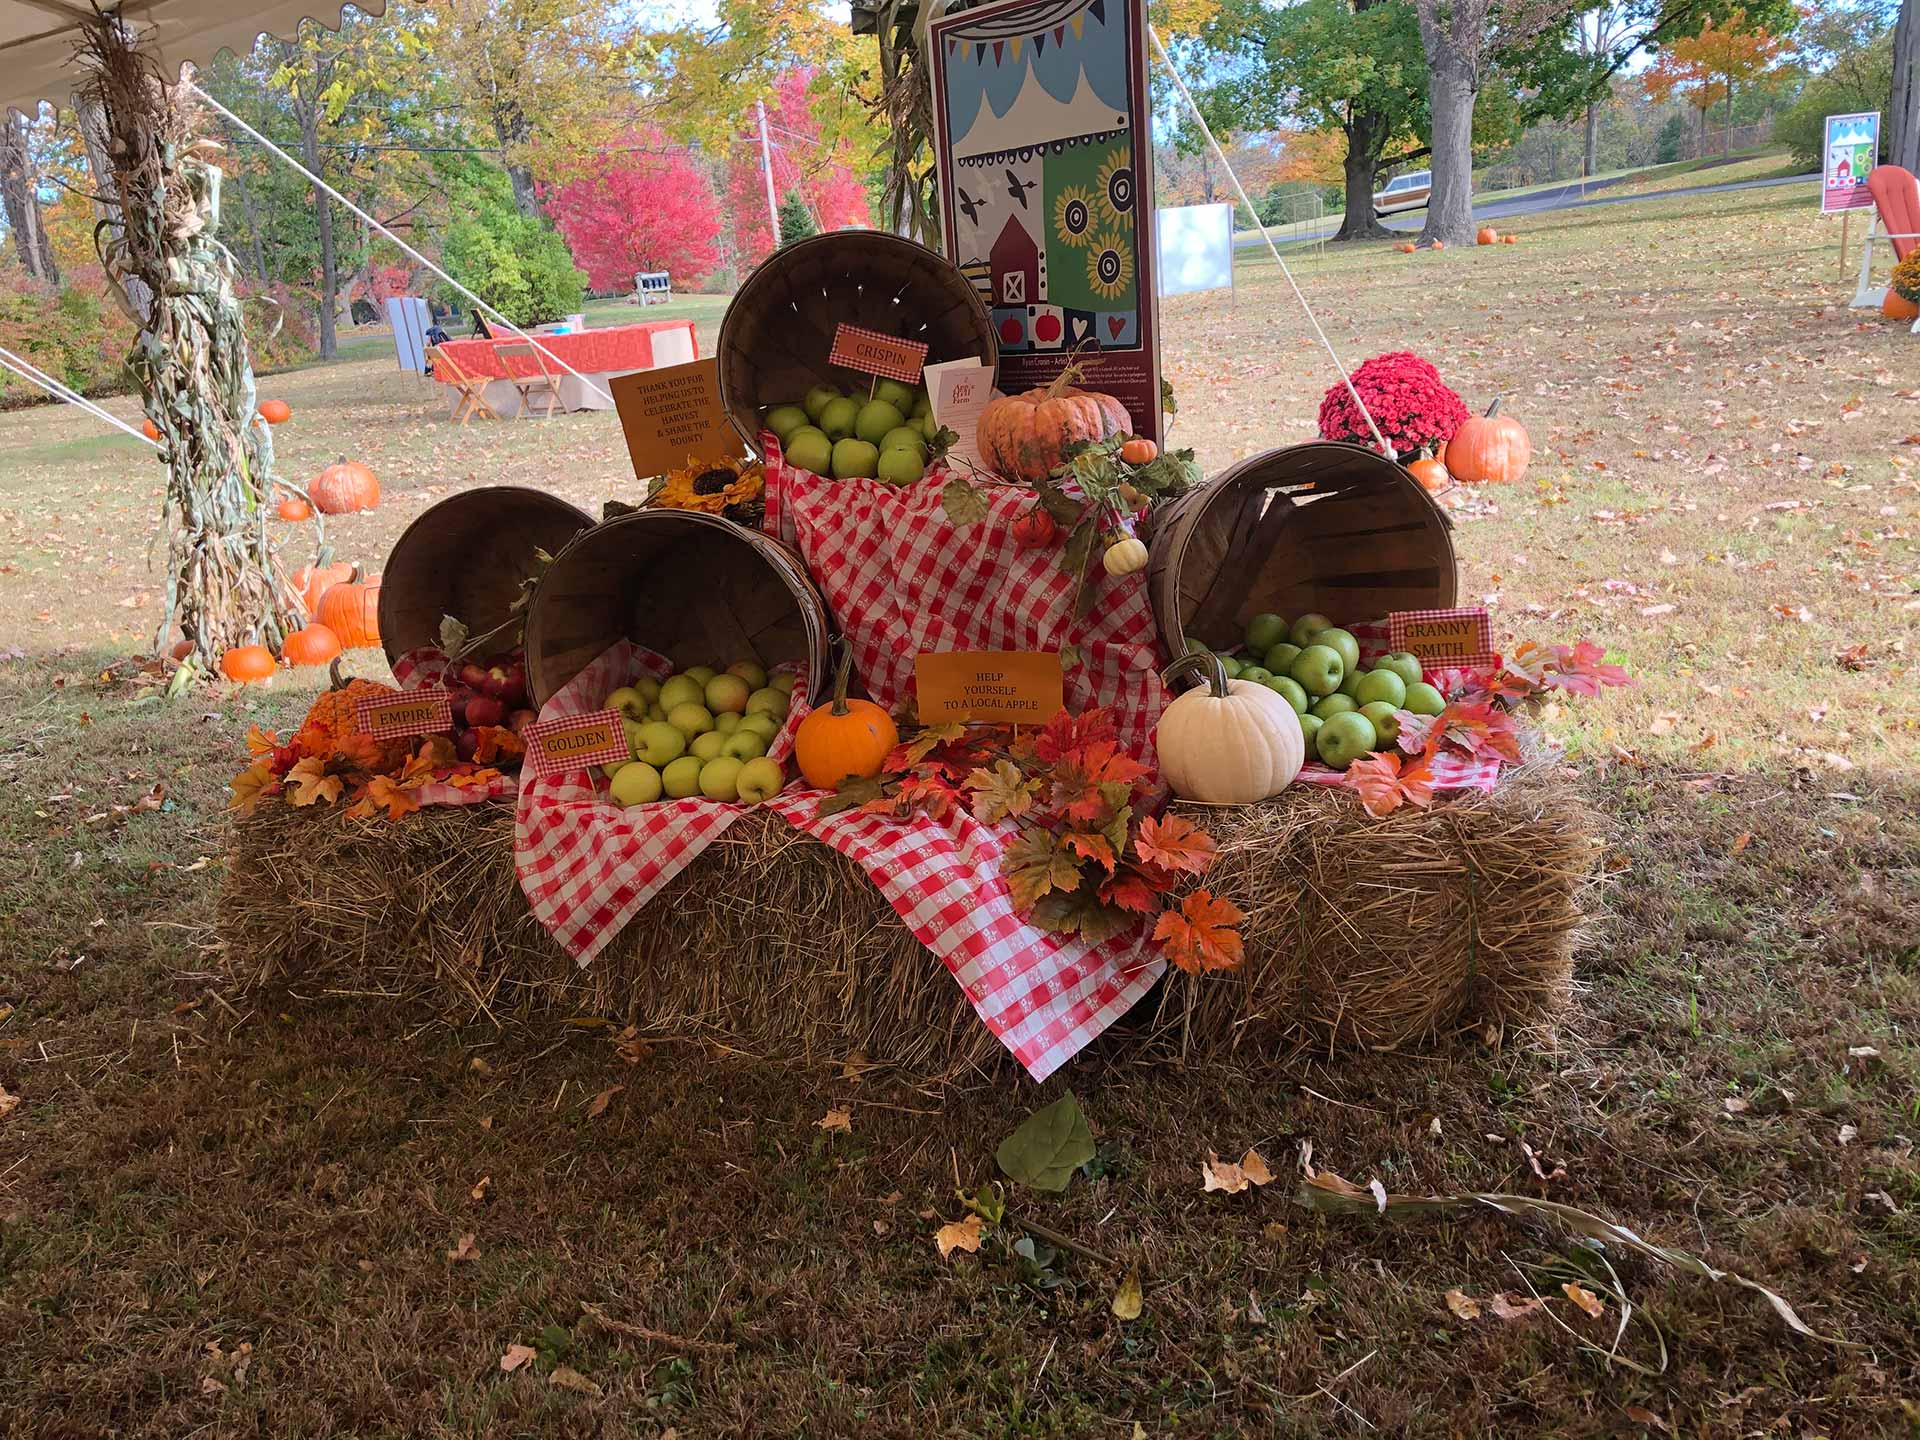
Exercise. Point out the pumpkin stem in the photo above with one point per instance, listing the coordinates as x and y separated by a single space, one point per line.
842 673
333 672
1206 664
1075 369
1494 408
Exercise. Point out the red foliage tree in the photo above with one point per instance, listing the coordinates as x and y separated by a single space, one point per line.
824 177
651 208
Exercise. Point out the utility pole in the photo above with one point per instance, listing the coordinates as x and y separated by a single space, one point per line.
766 165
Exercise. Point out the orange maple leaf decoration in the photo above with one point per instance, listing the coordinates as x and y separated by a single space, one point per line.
308 782
1384 781
260 742
1175 844
399 800
1200 935
250 785
496 742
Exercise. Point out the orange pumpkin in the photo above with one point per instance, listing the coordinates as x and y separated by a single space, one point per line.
1405 247
245 664
1035 530
335 716
275 412
149 429
1439 244
292 507
310 582
1431 474
1487 236
1489 448
315 645
344 487
846 740
1509 239
351 609
1139 451
1021 437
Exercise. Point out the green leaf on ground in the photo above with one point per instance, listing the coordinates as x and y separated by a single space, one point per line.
1048 1147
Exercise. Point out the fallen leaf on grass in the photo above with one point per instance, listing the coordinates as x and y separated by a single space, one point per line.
1048 1146
1734 1105
514 1356
481 1186
1463 1305
959 1235
1640 1415
598 1105
1740 842
1584 1298
565 1377
836 1119
1509 1307
1127 1300
1847 1134
7 1101
1218 1174
464 1250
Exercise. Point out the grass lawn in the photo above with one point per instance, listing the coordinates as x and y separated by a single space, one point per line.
228 1218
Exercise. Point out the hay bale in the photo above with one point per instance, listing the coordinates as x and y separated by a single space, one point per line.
1360 933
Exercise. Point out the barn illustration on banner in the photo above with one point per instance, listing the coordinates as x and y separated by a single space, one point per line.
1041 137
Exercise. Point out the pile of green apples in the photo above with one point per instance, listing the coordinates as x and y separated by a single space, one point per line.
1345 712
701 732
884 436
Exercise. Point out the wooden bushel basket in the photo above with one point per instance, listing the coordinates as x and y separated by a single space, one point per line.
1325 526
779 330
466 557
697 588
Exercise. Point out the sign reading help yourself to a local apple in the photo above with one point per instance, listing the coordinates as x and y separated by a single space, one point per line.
573 742
413 712
872 353
1443 637
984 686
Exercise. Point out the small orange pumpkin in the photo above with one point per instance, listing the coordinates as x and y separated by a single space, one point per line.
244 664
335 715
315 645
845 740
1489 448
1431 474
1405 247
1439 244
292 507
1035 530
1139 451
275 412
149 429
1021 437
1509 239
1487 236
351 609
310 582
344 487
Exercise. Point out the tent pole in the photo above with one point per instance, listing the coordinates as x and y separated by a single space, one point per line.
33 375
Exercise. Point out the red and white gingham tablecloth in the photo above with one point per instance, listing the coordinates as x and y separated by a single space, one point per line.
590 352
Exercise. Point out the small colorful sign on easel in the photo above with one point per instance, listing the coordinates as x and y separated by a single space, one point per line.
872 353
411 712
573 742
986 686
1462 637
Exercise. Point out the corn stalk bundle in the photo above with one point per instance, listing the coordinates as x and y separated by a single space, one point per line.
190 361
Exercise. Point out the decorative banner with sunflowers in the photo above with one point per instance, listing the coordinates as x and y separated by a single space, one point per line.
1042 125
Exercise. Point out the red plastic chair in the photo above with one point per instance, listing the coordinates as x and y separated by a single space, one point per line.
1896 200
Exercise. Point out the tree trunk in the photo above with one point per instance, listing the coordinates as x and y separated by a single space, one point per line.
1904 109
1590 155
323 224
1450 91
1700 144
512 128
20 193
1365 135
256 252
1726 140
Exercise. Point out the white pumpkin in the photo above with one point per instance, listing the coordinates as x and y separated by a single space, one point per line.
1229 742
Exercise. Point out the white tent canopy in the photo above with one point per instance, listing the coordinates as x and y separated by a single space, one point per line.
38 38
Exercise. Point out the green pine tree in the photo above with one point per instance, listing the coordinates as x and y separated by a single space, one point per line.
796 221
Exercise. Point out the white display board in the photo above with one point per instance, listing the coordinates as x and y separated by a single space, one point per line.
1195 245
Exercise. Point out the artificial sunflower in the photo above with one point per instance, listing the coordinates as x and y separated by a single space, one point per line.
1073 215
1110 266
728 487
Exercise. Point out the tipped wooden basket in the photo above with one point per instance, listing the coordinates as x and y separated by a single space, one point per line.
697 588
1325 526
779 330
466 557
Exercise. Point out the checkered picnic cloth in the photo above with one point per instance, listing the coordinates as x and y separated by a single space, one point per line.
588 865
901 578
426 669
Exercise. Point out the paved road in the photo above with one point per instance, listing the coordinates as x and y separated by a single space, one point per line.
1559 197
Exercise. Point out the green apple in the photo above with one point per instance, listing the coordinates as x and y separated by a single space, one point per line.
636 784
690 719
818 398
1423 699
751 671
1279 658
1328 706
725 723
1319 670
904 437
702 673
900 466
1288 689
769 701
683 690
1385 719
681 778
929 426
838 418
727 692
1344 739
1350 681
896 393
1403 663
922 405
744 745
629 702
710 746
783 420
875 419
760 723
1198 647
855 460
1266 631
1306 627
657 712
1343 641
1310 724
1259 674
1232 666
720 779
649 687
1381 685
759 780
660 744
809 449
783 682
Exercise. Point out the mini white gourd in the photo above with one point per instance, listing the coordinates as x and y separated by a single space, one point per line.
1228 742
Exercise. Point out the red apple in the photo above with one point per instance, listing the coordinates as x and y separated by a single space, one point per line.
485 710
474 677
509 685
466 744
520 719
459 708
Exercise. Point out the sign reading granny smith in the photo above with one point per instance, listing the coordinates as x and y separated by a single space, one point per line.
1443 638
1853 143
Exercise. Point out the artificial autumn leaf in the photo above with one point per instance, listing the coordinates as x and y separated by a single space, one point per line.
465 777
1199 936
1033 866
436 752
384 790
1048 1146
1385 781
1065 734
1419 733
851 794
958 1235
910 753
1578 669
1090 846
1127 1300
1129 891
1530 662
308 781
1584 1298
1080 912
1482 729
260 742
360 751
1175 844
1000 793
250 785
496 742
927 794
